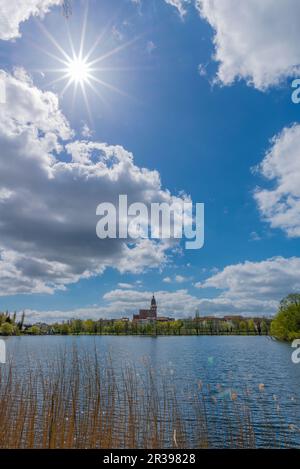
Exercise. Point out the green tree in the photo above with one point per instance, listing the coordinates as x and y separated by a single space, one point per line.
6 329
293 299
286 324
265 327
89 326
76 326
64 328
251 326
34 330
119 327
197 321
243 327
21 324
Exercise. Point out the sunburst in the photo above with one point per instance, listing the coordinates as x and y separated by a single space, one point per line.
78 69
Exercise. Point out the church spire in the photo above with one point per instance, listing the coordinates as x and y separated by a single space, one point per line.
153 301
153 308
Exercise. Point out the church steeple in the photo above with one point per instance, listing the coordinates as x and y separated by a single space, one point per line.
153 308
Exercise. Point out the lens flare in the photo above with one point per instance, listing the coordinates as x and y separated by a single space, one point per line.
78 70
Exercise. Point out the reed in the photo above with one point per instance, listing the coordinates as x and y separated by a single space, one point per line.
80 401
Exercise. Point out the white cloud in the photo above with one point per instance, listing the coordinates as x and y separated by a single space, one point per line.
167 280
48 204
255 40
249 288
176 279
14 12
122 302
117 34
254 236
180 5
125 286
252 287
150 47
177 303
202 70
280 205
86 131
181 279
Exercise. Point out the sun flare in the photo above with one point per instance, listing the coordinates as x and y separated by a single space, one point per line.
78 70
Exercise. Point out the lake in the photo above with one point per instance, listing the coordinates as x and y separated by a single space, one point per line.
256 372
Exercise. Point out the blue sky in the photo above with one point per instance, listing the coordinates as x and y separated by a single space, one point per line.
203 131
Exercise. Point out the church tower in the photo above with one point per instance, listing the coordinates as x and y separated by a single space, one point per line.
153 308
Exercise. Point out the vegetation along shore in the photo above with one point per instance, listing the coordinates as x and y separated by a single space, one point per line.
285 325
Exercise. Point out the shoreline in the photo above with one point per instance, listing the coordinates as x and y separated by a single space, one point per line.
138 335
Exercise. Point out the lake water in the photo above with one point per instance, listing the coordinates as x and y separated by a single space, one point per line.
256 371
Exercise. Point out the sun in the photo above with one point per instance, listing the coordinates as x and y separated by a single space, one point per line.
78 70
81 69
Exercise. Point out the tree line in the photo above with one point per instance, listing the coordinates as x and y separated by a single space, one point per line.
285 325
190 326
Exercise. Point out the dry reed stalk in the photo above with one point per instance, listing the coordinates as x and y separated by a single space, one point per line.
83 402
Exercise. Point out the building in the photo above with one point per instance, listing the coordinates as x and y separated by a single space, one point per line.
234 318
147 315
164 319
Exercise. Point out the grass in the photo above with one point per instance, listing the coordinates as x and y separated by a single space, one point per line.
80 401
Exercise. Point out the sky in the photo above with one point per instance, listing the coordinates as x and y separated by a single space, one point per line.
191 99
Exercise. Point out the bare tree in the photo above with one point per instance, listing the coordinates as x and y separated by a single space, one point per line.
67 8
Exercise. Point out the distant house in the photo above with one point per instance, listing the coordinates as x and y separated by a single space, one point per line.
233 318
164 319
